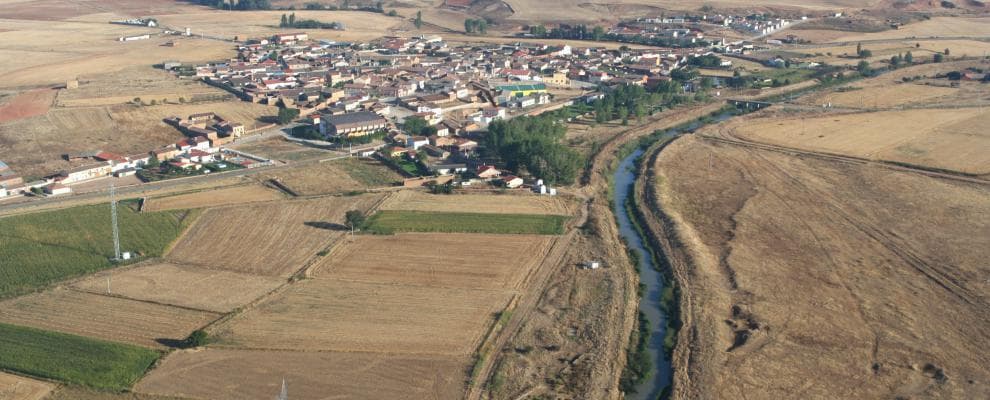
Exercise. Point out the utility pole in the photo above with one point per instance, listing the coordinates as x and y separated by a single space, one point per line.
113 220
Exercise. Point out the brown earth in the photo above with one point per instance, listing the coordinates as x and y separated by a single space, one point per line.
337 176
239 374
15 387
213 198
104 317
797 272
184 286
334 315
81 393
27 104
468 261
273 239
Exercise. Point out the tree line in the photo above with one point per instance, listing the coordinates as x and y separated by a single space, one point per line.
479 25
533 145
290 22
597 33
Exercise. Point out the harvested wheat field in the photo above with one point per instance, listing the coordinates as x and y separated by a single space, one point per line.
937 26
181 285
805 272
15 387
104 317
438 260
251 24
952 139
892 95
496 204
272 239
213 198
334 315
239 374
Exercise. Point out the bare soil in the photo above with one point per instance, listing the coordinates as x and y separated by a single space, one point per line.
27 104
15 387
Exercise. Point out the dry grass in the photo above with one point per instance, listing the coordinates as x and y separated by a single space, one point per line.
953 139
338 176
180 285
137 81
826 272
468 261
213 198
247 24
937 26
921 50
334 315
14 387
495 204
208 374
103 317
886 96
272 239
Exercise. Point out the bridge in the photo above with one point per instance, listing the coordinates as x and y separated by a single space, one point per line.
748 104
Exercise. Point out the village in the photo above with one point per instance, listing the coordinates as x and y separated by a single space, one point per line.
418 104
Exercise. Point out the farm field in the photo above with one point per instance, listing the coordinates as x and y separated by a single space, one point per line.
337 176
437 260
879 97
213 198
71 392
804 272
14 387
413 200
281 149
334 315
391 221
142 82
104 317
921 50
70 358
26 104
181 285
34 146
359 25
208 373
952 139
273 239
937 26
77 241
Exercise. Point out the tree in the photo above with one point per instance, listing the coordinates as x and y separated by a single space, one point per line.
292 19
196 339
284 23
483 26
946 51
419 20
938 57
908 58
469 25
392 13
859 48
864 68
287 115
597 33
624 115
415 125
153 162
355 219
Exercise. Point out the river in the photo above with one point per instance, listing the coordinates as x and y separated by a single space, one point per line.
649 276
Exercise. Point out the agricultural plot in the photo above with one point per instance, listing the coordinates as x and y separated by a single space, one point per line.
360 25
213 198
953 139
392 221
208 374
39 249
438 260
70 358
181 285
884 96
273 239
13 387
334 315
496 204
937 26
104 317
336 176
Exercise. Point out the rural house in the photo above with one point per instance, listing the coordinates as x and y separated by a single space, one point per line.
352 124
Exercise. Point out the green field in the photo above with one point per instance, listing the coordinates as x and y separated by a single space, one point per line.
39 249
391 221
73 359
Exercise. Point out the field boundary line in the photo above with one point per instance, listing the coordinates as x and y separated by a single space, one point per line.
122 297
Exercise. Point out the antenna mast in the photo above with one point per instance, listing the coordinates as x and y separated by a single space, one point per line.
113 219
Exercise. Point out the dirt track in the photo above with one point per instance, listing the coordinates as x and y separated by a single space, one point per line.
798 272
